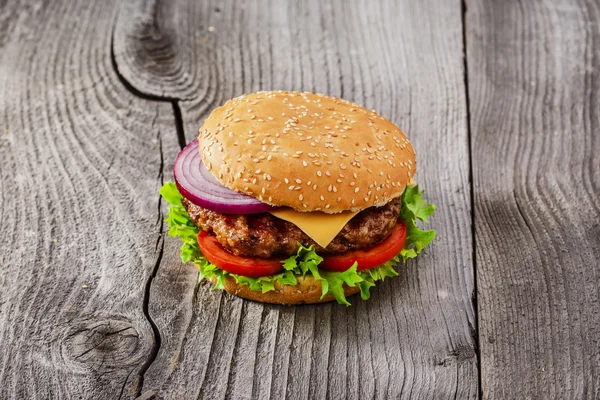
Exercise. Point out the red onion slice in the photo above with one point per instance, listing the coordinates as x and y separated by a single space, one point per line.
200 187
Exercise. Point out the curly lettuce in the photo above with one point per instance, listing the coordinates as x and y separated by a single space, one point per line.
306 260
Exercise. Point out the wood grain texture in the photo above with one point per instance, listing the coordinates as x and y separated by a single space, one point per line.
534 79
415 337
81 164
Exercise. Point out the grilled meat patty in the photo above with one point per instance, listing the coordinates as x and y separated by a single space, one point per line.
264 235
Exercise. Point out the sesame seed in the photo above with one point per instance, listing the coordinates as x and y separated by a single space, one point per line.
304 163
339 199
230 134
327 205
253 117
256 160
257 172
315 186
269 157
356 190
254 180
237 120
352 183
322 198
263 190
298 181
319 173
286 180
329 188
300 197
291 187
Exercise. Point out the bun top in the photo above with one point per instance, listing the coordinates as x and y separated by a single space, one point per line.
306 151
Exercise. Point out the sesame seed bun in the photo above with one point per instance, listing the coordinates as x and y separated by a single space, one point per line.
306 151
307 291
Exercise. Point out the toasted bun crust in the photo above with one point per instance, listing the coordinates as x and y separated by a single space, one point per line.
307 291
306 151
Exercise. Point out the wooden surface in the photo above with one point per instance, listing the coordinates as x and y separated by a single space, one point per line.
534 86
95 101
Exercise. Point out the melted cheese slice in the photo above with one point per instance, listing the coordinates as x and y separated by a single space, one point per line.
320 227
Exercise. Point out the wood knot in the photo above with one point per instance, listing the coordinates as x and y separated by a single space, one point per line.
460 354
104 343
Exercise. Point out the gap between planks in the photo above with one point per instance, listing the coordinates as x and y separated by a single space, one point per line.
179 129
475 334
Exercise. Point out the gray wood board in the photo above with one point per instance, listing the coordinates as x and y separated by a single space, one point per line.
534 85
80 232
415 337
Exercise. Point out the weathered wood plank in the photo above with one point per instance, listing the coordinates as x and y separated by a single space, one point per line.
534 79
81 162
415 336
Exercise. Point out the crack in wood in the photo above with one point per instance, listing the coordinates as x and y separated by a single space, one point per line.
160 241
474 328
179 128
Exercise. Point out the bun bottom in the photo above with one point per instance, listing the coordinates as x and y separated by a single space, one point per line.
307 291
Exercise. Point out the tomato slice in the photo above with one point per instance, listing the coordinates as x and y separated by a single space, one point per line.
246 266
369 258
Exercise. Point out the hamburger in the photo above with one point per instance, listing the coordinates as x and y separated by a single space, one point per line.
290 198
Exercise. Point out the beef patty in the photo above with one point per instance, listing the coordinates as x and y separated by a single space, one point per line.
264 235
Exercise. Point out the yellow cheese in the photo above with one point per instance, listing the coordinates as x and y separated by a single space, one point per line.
320 227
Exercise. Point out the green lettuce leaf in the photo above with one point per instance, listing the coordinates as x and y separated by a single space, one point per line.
413 208
306 260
